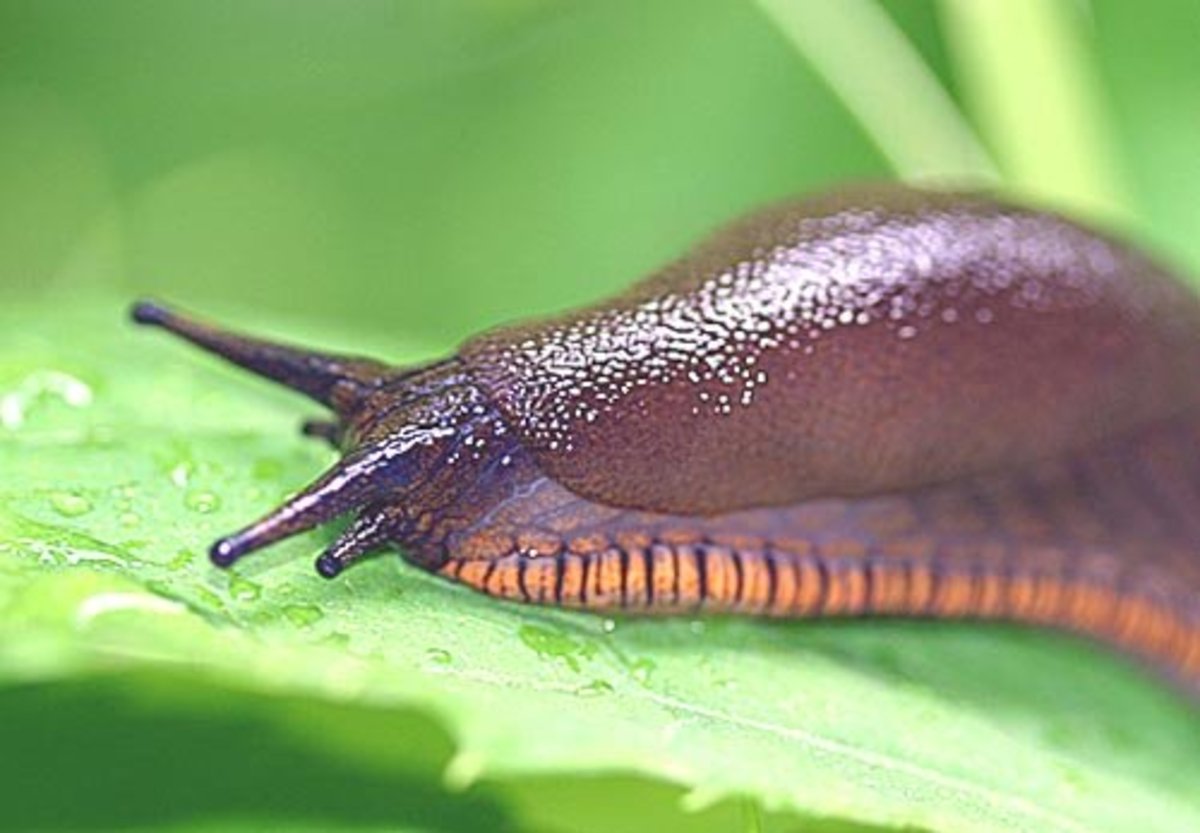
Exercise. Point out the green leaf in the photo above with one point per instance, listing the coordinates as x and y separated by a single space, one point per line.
1045 114
922 133
124 455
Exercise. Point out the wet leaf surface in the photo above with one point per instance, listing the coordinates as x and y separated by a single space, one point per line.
124 455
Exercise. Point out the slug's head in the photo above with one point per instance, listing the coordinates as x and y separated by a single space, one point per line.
398 430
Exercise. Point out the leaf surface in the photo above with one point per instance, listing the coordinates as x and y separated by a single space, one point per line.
125 455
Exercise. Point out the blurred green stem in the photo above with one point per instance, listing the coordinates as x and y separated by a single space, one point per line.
871 65
752 816
1032 85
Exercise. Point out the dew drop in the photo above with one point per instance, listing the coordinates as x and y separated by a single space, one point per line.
182 473
243 589
70 504
303 615
39 386
439 656
642 669
202 502
553 645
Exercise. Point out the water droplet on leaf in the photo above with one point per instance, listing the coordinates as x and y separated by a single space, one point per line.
182 472
202 502
243 589
439 656
642 668
70 504
555 645
303 615
41 386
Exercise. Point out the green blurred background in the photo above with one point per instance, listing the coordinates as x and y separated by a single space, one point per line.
416 170
431 167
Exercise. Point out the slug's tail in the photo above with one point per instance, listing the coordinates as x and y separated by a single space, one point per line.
335 381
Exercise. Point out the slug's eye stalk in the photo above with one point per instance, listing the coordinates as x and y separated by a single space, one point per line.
340 382
376 470
361 478
338 491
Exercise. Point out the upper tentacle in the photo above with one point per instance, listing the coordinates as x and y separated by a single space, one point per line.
339 382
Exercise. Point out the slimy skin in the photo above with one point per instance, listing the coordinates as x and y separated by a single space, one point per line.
879 402
849 345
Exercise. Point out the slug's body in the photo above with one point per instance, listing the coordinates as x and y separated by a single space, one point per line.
886 402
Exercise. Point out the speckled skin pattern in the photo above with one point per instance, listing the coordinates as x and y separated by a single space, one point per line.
880 402
846 346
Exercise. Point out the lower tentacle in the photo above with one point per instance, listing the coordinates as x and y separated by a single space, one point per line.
367 534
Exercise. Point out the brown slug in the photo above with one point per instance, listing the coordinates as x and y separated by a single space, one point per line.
879 402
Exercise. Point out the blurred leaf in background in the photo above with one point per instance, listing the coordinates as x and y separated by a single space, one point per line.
390 177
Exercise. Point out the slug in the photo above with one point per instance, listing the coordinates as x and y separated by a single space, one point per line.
878 402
